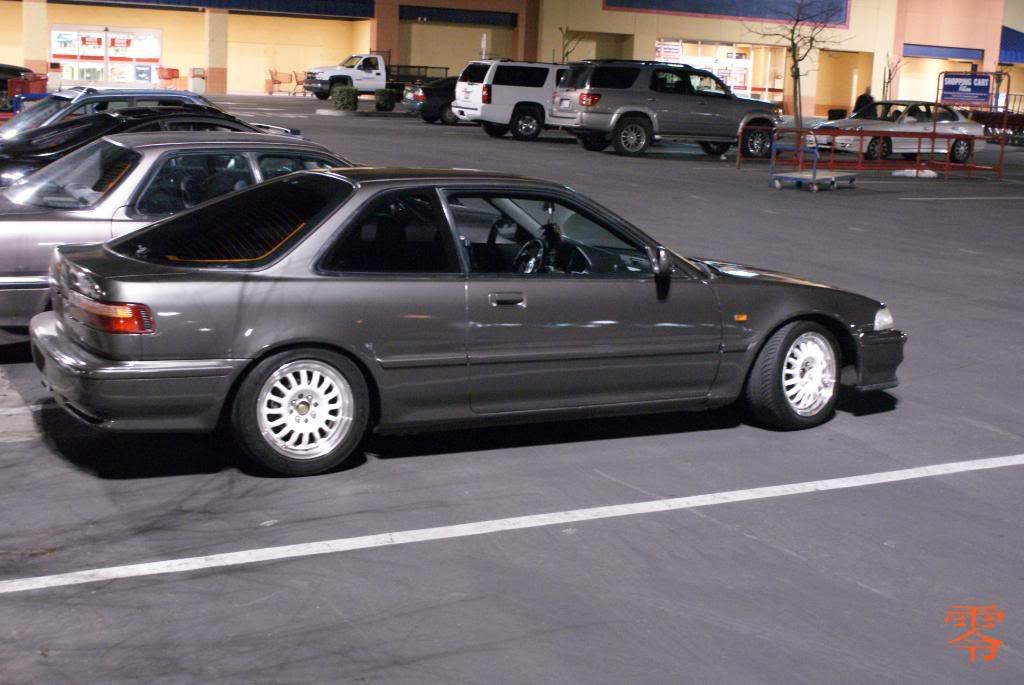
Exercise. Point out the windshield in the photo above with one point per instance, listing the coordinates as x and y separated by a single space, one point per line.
79 180
64 135
888 111
35 115
351 61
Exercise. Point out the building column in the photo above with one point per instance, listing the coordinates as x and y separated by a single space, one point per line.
216 43
385 35
527 30
35 35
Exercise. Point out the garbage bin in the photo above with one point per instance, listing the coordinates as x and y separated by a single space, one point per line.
834 114
197 80
30 83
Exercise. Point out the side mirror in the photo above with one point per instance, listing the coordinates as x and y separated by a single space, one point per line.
660 262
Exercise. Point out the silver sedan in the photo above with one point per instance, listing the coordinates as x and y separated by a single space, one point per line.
121 183
959 135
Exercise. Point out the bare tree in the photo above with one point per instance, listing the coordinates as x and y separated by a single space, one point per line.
806 27
892 67
570 41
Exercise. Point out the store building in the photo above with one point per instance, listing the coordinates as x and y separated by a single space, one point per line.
898 47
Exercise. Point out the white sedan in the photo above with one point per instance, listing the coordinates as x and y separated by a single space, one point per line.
905 116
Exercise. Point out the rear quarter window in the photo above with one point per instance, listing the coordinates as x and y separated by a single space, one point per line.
614 77
475 72
245 230
523 77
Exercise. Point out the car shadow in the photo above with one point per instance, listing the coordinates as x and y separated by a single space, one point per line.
15 353
865 403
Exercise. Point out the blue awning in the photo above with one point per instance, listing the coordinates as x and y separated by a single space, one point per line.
942 52
1011 47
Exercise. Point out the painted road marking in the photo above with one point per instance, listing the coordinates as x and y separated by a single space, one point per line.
959 199
16 423
558 518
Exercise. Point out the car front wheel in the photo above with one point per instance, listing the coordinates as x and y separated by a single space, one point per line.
322 96
960 151
301 412
632 136
792 384
757 141
714 149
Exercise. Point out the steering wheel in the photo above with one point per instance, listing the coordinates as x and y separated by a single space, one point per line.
530 257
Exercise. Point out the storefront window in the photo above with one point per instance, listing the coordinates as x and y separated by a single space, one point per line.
90 53
749 70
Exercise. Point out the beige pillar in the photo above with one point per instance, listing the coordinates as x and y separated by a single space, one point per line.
216 42
35 34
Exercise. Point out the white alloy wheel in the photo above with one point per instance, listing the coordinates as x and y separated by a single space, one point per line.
305 409
809 374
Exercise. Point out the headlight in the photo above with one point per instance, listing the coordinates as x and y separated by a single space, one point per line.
319 76
883 319
777 111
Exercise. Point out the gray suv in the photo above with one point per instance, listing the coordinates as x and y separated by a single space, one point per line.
629 104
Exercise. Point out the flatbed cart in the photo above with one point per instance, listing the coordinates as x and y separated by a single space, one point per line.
813 179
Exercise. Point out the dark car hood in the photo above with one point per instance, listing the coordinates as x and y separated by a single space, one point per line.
754 273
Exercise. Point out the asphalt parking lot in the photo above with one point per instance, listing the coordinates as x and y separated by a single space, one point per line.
630 550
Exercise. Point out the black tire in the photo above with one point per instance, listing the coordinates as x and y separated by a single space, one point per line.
757 141
321 96
429 118
766 389
878 149
632 136
384 106
448 117
495 130
344 386
960 151
595 142
527 123
714 149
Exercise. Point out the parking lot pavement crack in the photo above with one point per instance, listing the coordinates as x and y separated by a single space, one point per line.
628 485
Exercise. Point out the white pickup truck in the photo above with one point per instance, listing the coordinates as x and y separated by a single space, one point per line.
365 73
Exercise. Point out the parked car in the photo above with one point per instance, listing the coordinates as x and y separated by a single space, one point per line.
310 307
904 116
630 104
432 101
35 148
83 101
367 73
120 183
507 96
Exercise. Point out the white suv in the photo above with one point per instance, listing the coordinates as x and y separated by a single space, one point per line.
506 96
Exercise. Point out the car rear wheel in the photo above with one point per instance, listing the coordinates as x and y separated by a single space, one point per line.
301 412
495 130
429 118
792 384
632 136
595 142
960 151
714 149
448 117
527 123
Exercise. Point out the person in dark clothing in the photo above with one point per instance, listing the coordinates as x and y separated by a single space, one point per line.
863 100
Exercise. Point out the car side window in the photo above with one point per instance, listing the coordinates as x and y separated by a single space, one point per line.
198 125
522 77
159 102
919 114
185 180
535 235
399 232
96 106
706 84
279 164
945 114
672 81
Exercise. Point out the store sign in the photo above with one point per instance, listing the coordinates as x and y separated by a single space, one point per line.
120 42
966 88
92 41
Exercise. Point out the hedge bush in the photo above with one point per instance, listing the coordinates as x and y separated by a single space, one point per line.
345 98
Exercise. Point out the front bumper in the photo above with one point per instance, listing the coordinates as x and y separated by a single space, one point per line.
160 395
879 353
316 86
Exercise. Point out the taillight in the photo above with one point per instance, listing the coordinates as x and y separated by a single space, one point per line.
418 95
485 94
112 317
589 99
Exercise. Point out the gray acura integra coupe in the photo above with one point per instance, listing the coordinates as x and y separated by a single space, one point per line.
305 309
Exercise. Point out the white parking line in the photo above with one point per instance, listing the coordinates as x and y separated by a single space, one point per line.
254 556
961 199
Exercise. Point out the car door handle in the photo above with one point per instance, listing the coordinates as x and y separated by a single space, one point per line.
652 99
507 299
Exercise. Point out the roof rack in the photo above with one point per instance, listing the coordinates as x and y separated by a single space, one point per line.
638 62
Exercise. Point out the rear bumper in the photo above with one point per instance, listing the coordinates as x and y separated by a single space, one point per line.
466 113
164 395
879 353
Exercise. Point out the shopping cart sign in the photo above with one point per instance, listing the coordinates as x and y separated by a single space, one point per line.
966 88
